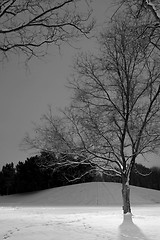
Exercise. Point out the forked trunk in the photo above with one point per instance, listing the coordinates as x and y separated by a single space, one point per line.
126 196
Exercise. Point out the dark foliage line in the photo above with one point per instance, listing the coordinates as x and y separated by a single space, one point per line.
31 175
141 176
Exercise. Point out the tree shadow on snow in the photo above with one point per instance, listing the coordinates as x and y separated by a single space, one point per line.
129 231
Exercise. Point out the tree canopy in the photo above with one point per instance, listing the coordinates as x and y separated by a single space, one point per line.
29 27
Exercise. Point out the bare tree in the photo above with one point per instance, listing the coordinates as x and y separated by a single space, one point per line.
114 115
144 9
139 6
30 26
117 100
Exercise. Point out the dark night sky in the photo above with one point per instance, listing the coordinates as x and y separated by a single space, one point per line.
24 95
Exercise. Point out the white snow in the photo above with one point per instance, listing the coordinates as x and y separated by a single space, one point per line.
90 211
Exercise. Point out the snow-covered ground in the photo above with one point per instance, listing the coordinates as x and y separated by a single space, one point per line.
90 211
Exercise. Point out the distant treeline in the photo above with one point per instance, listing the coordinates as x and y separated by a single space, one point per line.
33 175
141 176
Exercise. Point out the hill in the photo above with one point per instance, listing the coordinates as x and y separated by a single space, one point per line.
86 194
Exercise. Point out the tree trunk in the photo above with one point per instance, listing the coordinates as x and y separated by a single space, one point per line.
126 196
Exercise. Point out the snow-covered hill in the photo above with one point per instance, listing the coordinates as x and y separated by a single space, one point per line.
86 194
89 211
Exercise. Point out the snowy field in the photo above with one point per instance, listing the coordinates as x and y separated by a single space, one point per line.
89 211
